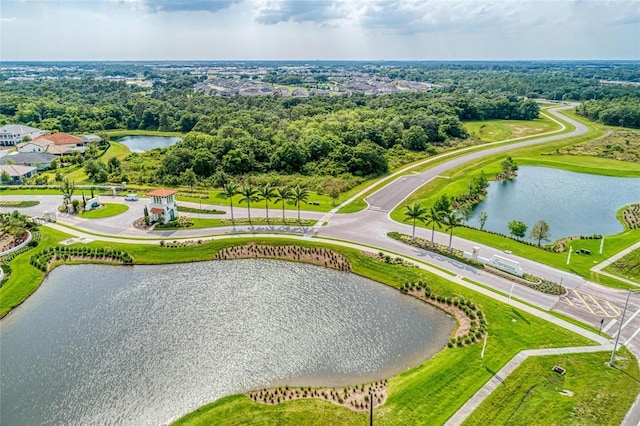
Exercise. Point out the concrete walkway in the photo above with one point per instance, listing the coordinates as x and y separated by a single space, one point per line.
474 402
600 266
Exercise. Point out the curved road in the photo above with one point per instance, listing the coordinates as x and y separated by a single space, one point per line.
587 301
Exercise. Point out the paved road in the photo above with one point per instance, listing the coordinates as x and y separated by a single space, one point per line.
387 198
586 301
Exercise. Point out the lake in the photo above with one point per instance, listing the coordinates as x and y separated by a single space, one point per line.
146 143
572 203
143 345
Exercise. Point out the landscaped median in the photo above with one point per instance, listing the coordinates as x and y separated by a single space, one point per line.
428 393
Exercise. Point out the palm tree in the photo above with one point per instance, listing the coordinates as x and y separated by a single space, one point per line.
230 189
249 194
299 195
433 218
415 212
283 194
267 193
451 220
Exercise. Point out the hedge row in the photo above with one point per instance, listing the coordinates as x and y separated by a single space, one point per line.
42 259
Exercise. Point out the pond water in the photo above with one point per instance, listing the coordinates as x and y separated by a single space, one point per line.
572 203
138 345
146 143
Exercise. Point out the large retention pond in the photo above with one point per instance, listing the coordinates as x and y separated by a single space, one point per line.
146 143
146 344
571 203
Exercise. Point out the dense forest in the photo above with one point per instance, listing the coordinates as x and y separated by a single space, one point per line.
351 136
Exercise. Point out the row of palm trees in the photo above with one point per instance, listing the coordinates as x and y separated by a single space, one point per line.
432 217
267 193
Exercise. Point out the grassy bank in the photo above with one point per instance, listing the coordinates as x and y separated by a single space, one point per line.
501 130
627 267
531 394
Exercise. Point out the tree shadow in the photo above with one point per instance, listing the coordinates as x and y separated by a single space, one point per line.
519 315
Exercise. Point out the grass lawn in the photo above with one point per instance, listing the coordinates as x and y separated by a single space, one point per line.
107 210
115 149
531 394
500 130
627 267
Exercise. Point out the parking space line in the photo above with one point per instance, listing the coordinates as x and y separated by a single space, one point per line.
568 301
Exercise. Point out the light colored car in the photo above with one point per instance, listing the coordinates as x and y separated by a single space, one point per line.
131 197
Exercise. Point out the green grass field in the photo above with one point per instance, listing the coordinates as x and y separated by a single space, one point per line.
627 267
531 394
108 210
501 130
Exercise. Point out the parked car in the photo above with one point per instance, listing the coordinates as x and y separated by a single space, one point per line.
131 197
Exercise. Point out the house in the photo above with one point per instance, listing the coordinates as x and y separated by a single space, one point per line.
61 138
65 149
17 174
33 159
162 207
13 134
87 139
38 145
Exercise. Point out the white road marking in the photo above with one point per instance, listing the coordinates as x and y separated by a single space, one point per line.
632 317
608 326
632 336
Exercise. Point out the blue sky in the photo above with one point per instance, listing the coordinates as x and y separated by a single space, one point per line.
319 29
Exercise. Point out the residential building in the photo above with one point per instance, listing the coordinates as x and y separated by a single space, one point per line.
13 134
17 174
61 138
38 145
33 159
162 207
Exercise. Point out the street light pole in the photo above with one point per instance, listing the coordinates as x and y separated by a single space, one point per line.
615 345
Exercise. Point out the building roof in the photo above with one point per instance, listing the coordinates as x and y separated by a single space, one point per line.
18 129
65 149
28 158
41 142
61 138
157 210
162 192
15 170
91 138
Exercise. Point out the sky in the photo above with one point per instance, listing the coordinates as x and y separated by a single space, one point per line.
64 30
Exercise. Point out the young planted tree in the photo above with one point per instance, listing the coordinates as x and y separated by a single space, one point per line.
299 195
4 177
229 190
482 217
443 204
465 211
517 228
433 217
67 188
451 220
146 216
540 231
283 194
414 212
267 193
249 195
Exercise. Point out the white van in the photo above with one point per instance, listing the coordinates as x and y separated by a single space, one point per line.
131 197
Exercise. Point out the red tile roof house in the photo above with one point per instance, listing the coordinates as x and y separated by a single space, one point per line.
61 143
162 207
